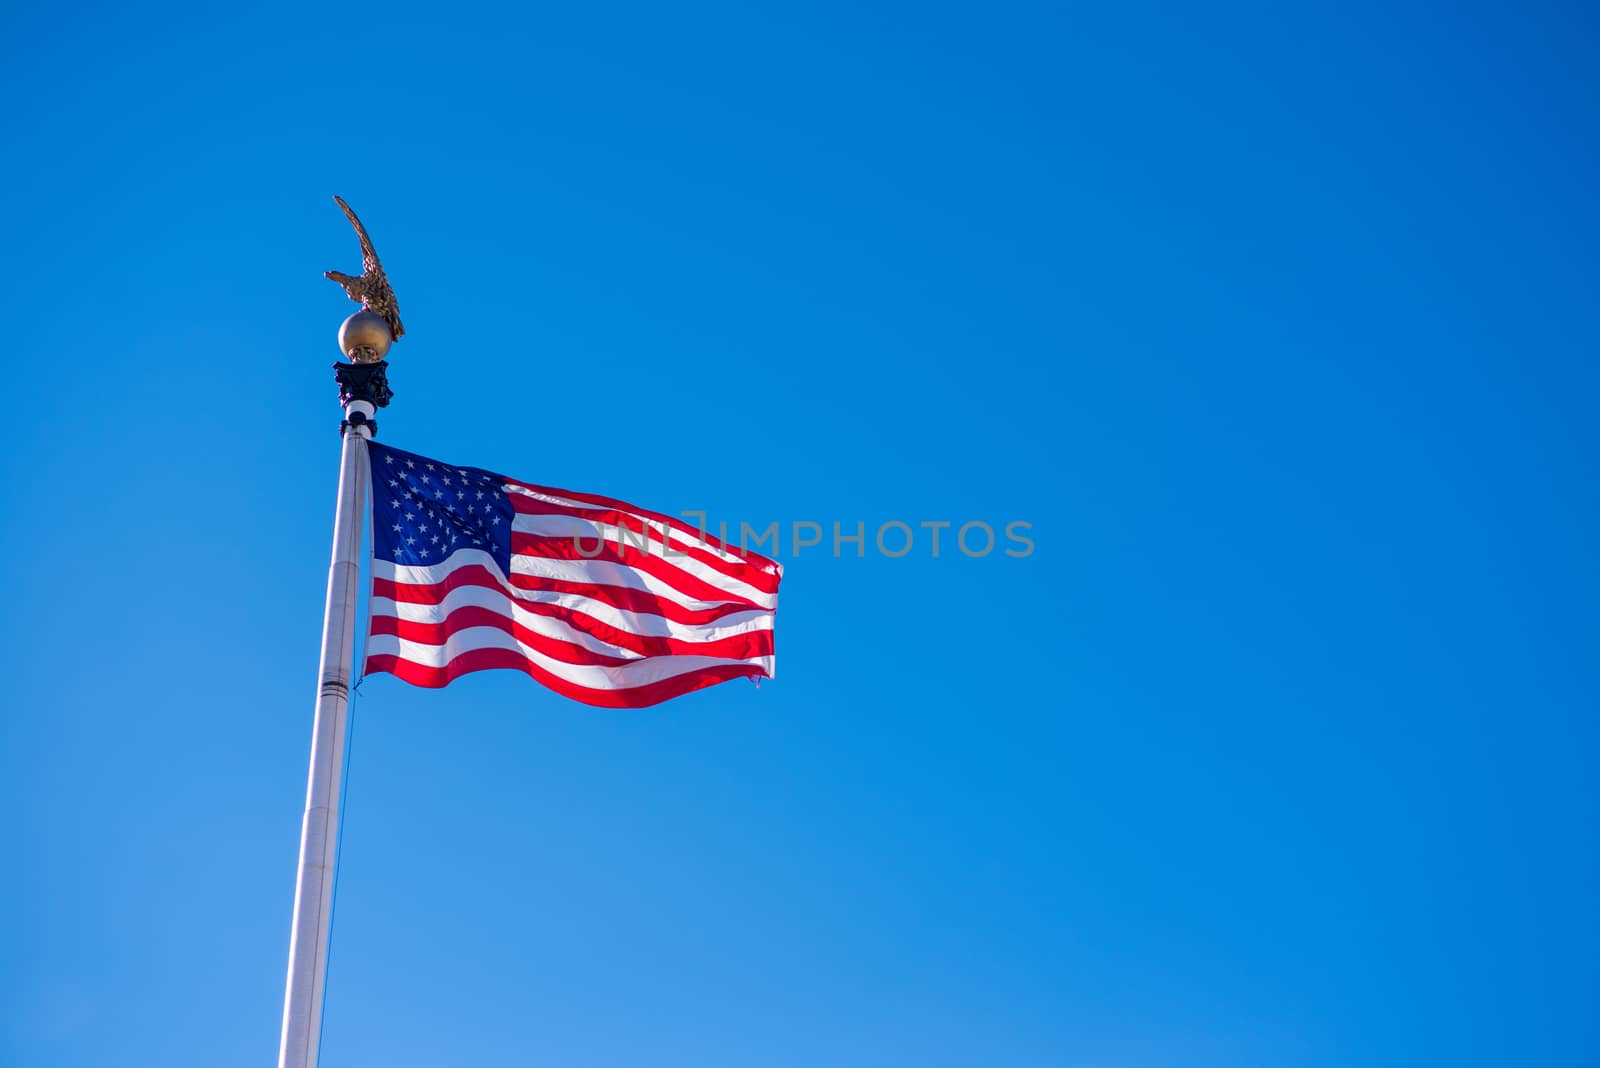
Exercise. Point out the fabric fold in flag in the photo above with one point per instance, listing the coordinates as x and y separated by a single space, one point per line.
600 601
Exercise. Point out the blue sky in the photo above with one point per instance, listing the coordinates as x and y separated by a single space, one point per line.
1277 326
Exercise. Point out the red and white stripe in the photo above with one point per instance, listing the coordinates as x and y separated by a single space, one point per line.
622 629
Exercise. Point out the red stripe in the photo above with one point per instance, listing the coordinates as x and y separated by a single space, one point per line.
632 600
613 503
764 578
734 647
629 556
483 659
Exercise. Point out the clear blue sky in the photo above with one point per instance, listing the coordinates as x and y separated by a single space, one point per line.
1278 326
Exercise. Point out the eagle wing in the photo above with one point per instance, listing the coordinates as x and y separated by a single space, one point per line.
369 255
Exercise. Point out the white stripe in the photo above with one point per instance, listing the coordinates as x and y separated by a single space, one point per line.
686 536
432 574
592 532
624 677
585 572
605 573
500 601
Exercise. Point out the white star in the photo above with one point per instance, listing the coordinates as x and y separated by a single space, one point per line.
422 526
430 467
424 478
434 540
411 541
424 552
411 463
396 528
438 494
480 495
495 521
394 482
446 480
410 517
460 496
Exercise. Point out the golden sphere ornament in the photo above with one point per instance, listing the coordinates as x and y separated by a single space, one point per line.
365 337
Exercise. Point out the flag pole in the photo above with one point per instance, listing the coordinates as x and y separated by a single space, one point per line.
365 338
363 390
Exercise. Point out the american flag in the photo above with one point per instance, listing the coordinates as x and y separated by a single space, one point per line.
473 570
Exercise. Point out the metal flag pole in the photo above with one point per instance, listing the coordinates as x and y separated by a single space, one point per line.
365 338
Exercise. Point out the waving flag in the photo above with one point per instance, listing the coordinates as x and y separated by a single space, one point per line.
600 601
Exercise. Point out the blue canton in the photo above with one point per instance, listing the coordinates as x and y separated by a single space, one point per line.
424 510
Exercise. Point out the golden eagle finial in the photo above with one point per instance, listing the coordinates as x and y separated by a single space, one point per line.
371 289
